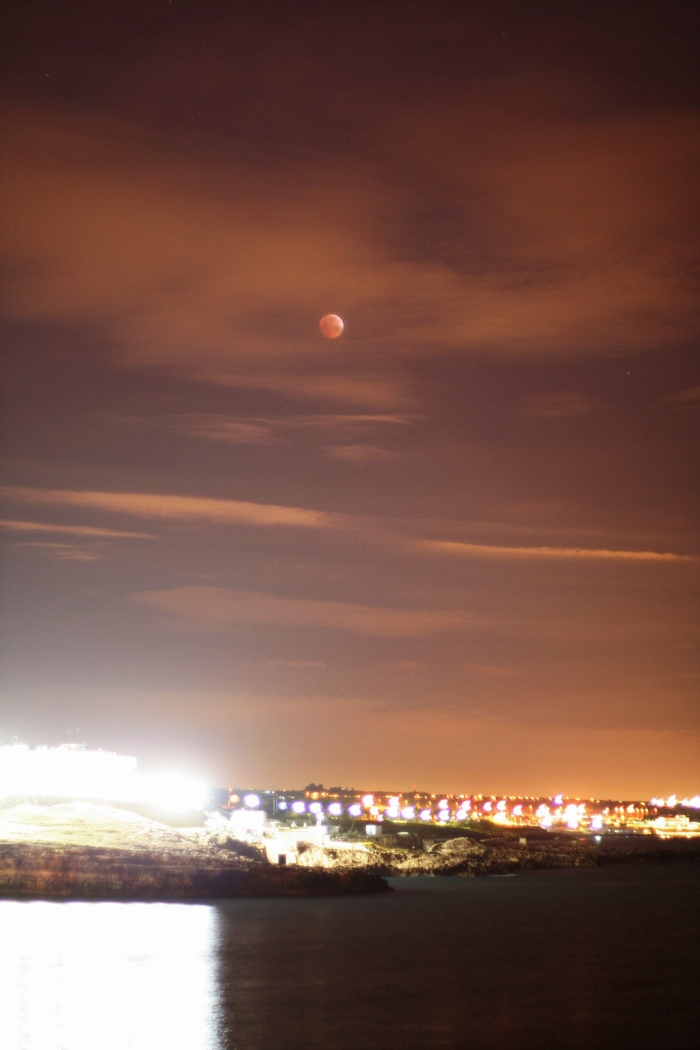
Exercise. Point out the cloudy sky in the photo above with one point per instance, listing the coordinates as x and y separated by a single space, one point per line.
456 547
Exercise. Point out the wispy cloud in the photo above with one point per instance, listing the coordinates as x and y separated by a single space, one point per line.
215 608
177 508
490 670
360 455
253 430
294 664
62 551
481 550
88 531
227 429
404 665
380 392
197 509
558 405
685 397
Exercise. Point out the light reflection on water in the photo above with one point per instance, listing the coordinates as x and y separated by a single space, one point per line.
82 976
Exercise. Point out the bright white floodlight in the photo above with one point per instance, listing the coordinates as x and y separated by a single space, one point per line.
74 772
175 792
65 772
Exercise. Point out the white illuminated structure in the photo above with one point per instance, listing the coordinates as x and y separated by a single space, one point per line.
73 772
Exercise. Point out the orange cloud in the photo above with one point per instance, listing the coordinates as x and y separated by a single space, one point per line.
360 455
558 405
177 508
62 551
215 608
580 246
239 512
480 550
88 531
686 397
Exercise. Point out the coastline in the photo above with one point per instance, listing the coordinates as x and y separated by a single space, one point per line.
93 851
98 873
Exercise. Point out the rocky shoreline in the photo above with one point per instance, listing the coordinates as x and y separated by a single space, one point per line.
502 856
88 851
94 873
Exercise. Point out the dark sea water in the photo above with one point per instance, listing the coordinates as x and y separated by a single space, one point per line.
606 958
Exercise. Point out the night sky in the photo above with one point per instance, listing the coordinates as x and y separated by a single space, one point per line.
456 547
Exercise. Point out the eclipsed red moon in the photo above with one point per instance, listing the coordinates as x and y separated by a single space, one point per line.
331 326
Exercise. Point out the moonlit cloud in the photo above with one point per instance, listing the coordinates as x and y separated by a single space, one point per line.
380 393
227 289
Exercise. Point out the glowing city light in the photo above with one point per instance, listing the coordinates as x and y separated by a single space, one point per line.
425 814
443 804
517 810
298 807
251 801
487 807
355 810
501 806
392 812
571 815
408 813
316 807
368 800
282 805
558 800
335 809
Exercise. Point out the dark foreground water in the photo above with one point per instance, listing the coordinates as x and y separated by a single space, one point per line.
606 957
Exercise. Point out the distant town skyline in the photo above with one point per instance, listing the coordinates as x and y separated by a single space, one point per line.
456 544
